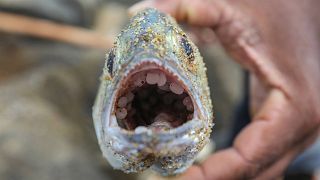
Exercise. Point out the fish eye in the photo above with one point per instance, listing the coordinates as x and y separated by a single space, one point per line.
110 61
187 48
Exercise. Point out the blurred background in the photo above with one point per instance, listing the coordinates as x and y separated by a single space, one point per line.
51 56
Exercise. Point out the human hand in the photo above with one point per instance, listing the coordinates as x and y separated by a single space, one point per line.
278 42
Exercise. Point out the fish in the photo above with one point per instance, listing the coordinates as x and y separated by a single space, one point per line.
153 107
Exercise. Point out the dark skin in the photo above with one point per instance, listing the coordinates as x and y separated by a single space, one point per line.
279 43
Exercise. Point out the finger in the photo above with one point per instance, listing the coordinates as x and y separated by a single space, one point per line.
280 166
192 173
201 36
226 164
233 163
260 144
189 11
239 36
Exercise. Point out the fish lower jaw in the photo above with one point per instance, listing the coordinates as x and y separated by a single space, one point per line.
166 153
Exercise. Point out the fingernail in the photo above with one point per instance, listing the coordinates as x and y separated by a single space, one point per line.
139 6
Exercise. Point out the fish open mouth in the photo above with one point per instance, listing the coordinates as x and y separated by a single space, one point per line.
153 97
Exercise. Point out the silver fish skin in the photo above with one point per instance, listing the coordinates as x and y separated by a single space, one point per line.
152 37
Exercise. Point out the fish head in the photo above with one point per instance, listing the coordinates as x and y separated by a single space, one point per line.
153 107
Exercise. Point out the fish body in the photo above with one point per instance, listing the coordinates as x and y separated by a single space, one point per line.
153 107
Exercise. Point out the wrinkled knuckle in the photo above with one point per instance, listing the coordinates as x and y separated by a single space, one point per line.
237 29
242 38
250 168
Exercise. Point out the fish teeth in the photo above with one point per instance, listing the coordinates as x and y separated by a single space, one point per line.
129 107
190 107
176 88
130 96
162 79
122 102
121 113
190 116
164 87
163 117
161 121
140 80
152 78
188 103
